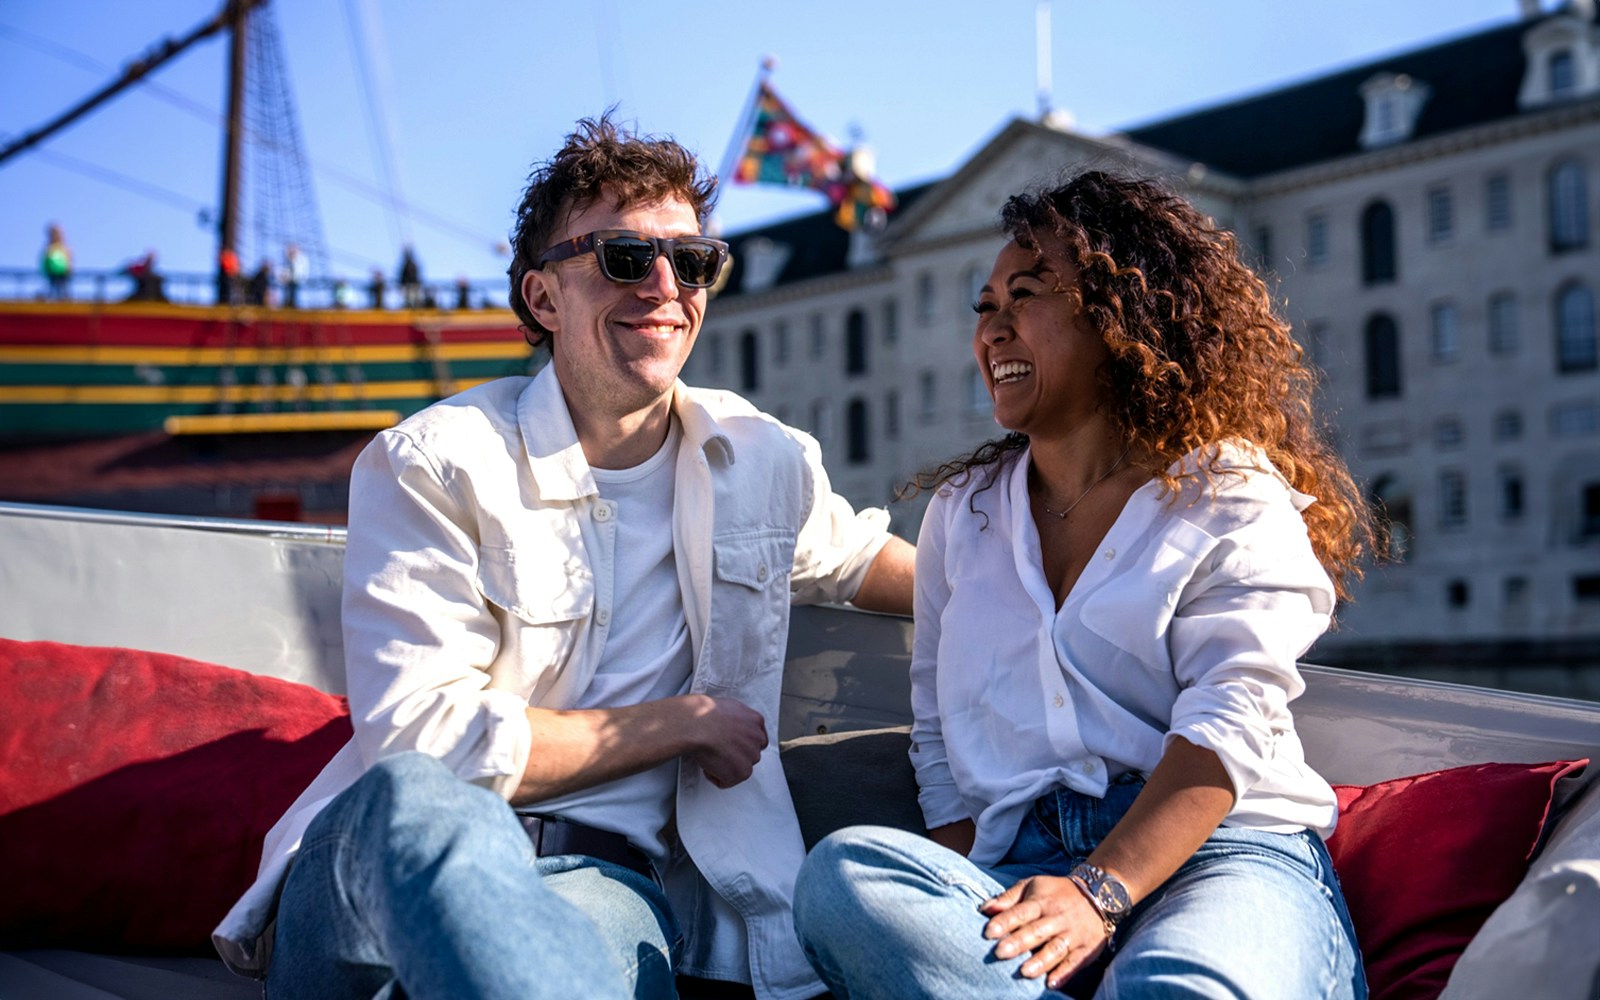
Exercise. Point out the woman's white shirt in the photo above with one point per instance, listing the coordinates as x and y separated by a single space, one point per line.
1187 622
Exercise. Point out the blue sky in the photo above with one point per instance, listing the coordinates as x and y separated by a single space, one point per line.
473 92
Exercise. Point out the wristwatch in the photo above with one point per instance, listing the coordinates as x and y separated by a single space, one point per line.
1108 895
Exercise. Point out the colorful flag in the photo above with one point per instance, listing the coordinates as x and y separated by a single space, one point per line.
863 201
783 150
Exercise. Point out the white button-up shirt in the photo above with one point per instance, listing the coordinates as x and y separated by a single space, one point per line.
1187 623
471 594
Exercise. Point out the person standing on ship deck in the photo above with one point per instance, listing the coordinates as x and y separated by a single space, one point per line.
1110 602
571 593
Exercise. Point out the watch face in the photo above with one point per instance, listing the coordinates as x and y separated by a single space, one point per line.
1112 896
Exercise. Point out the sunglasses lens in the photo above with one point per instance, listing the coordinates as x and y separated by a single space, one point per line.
627 259
695 262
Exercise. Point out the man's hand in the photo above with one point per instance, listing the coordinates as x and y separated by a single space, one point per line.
729 736
1050 917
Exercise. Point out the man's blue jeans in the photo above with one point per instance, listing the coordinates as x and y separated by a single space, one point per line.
885 913
414 883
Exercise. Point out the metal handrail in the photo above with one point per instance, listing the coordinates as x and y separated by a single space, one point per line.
292 530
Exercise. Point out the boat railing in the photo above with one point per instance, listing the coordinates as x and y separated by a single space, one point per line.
195 289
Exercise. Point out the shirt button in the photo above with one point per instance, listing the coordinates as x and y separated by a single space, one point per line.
603 616
1058 701
602 512
761 573
1087 767
1109 554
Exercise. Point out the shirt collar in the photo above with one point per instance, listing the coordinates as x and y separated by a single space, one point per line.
555 458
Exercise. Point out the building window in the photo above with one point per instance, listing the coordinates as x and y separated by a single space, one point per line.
1383 357
1503 338
1575 333
1497 203
1578 419
891 321
1391 504
819 337
1511 494
1589 523
928 394
925 298
1316 239
1569 207
1457 593
978 400
1447 433
1452 499
1516 592
857 445
855 343
891 415
1563 73
749 362
714 348
821 421
1377 244
1261 242
1441 216
1446 332
780 343
1586 588
1507 425
976 278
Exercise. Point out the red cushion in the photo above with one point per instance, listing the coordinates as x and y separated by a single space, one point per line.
136 788
1424 860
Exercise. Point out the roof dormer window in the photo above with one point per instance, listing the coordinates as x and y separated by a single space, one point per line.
1563 53
1563 69
1394 103
763 260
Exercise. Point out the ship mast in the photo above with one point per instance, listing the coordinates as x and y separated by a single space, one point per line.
236 17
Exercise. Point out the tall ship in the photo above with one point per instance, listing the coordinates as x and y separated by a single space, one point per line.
228 393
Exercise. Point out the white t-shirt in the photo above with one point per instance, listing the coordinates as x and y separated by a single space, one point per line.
647 654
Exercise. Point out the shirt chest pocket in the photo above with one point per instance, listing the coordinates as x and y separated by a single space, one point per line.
749 605
542 604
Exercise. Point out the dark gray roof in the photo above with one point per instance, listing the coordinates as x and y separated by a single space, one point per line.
817 246
1474 81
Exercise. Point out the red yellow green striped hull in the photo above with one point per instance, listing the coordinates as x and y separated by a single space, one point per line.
89 369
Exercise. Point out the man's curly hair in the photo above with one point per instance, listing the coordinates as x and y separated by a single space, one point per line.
600 159
1198 354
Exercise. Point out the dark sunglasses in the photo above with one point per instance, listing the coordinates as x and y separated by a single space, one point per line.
627 257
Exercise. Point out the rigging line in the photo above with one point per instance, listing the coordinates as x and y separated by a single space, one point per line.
362 21
117 179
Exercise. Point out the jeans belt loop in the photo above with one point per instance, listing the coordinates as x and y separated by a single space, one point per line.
552 835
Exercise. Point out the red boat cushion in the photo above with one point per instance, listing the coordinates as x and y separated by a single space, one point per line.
136 789
1424 860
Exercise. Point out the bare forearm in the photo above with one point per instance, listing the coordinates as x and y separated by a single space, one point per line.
579 748
888 583
1183 802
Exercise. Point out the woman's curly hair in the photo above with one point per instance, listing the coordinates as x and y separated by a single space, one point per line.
1198 354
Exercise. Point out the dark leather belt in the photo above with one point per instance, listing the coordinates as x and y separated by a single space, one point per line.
552 835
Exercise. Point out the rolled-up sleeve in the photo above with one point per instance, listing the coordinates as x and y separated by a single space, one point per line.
937 794
836 543
419 636
1256 603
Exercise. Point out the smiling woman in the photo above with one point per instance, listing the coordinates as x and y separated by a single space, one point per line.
1110 603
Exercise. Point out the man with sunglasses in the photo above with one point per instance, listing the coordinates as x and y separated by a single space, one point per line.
570 592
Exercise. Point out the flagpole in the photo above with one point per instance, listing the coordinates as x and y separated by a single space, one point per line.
741 133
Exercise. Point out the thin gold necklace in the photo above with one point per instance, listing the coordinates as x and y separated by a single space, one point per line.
1062 514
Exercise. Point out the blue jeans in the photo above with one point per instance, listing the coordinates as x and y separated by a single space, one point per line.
885 913
414 883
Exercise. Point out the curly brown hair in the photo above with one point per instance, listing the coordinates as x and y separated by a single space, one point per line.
1198 353
600 159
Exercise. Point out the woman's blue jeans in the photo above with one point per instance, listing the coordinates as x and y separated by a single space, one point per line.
414 883
888 914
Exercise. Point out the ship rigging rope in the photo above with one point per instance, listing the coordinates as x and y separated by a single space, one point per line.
361 18
358 186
